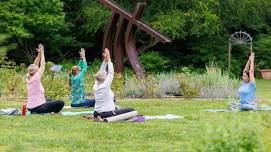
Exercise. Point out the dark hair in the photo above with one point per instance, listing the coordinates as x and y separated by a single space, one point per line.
247 73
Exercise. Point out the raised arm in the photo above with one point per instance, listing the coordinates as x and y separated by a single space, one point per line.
251 68
83 63
37 60
82 58
80 63
42 60
104 64
110 76
247 65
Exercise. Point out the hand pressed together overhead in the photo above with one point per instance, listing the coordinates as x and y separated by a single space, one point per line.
82 53
40 48
106 55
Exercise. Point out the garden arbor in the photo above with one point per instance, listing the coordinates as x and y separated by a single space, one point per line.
239 38
122 26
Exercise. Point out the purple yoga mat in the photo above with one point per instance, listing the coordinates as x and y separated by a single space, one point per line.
140 119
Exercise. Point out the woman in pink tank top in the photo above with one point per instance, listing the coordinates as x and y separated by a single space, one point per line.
35 91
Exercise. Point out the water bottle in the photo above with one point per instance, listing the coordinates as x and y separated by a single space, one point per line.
24 110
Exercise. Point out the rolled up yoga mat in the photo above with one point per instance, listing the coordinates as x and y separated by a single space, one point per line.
122 117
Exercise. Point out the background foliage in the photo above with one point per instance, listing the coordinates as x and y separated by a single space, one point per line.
199 29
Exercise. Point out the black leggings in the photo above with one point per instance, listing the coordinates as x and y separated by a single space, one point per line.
112 113
48 107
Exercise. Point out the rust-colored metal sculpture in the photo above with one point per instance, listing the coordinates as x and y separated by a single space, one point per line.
125 24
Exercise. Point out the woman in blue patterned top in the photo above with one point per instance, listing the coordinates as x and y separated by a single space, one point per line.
247 89
77 84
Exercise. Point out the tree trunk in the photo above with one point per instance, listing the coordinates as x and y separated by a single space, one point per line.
23 48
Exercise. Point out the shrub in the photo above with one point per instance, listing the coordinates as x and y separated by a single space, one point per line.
48 65
154 62
189 87
12 78
151 84
89 81
218 85
95 65
68 64
118 85
6 63
168 85
263 52
55 87
134 88
12 83
209 85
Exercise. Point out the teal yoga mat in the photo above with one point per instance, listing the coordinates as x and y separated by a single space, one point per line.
228 110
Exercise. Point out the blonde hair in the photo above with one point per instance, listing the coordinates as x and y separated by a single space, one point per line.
32 69
100 76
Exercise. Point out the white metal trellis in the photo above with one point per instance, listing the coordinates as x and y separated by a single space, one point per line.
239 38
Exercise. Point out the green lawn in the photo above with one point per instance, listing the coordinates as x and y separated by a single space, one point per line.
198 130
263 91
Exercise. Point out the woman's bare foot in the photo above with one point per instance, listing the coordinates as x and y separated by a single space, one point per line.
99 119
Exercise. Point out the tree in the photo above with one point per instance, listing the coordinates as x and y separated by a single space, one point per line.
34 21
5 44
249 15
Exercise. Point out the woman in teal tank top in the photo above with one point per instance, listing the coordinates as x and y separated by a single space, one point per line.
76 83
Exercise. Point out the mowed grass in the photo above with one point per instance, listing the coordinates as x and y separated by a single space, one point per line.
73 133
196 132
263 90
